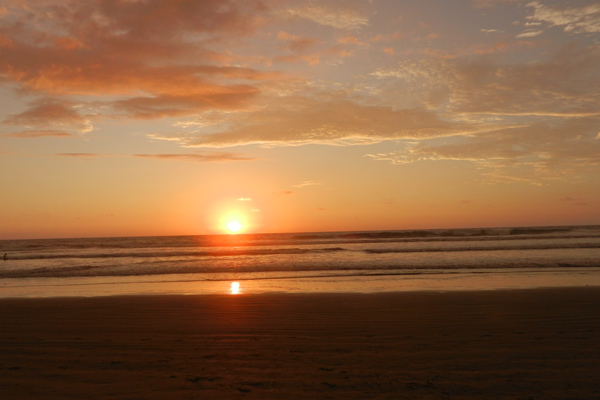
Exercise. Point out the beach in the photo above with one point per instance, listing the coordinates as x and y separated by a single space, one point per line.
501 344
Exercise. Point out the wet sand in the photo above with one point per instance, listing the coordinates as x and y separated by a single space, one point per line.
508 344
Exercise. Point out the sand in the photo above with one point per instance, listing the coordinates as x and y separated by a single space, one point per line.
510 344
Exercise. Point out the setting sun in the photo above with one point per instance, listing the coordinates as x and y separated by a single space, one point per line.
234 226
232 221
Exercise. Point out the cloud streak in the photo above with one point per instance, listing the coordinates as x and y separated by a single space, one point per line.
193 158
39 134
199 158
307 183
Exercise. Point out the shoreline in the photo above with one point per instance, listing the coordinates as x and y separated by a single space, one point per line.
500 344
467 280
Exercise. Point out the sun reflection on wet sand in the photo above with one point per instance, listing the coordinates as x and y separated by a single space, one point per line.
235 288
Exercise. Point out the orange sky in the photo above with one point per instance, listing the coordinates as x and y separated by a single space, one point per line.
156 117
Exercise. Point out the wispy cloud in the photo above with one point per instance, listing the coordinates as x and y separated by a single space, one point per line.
491 31
84 155
307 183
492 3
295 43
336 15
529 33
199 158
563 84
39 133
573 201
528 153
581 17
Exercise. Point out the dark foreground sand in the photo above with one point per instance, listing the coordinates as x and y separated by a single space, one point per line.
526 344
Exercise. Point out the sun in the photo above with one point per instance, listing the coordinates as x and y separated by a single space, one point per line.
234 226
234 222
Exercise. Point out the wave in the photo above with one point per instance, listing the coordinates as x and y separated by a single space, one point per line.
296 239
313 275
162 254
448 233
275 271
322 253
257 252
487 248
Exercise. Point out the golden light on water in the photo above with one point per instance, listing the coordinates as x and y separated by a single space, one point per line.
235 288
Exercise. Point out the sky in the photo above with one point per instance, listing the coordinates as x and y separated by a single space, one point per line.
175 117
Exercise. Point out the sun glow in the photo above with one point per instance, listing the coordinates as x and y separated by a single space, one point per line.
234 226
232 219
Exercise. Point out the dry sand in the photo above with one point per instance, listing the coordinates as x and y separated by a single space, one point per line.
519 344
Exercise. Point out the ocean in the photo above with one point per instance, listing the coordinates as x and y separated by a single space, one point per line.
372 261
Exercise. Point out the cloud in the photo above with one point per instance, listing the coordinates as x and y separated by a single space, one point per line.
307 183
157 58
200 158
348 39
567 198
573 201
583 18
379 38
83 155
491 31
562 84
335 15
296 44
539 151
244 199
52 112
491 3
39 133
229 98
464 96
87 61
309 50
529 34
297 120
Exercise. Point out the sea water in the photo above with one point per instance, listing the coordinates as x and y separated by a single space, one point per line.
303 262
